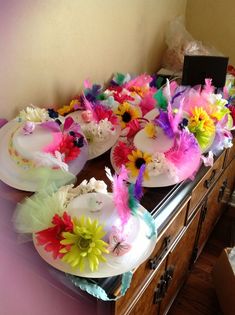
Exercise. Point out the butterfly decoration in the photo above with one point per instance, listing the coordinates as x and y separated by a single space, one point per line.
117 245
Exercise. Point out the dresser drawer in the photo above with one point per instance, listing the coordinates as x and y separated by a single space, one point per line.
150 266
206 183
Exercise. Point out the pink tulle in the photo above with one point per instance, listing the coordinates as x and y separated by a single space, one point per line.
54 145
121 195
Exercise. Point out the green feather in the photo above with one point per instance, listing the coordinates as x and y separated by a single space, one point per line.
161 100
133 203
119 78
159 82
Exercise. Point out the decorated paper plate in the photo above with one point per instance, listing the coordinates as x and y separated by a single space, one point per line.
37 153
100 127
206 114
170 155
87 232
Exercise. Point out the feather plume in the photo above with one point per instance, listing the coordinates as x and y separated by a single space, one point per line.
161 100
133 202
89 106
185 155
175 119
108 173
138 190
121 195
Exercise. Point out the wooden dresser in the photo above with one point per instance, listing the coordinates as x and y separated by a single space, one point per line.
192 208
186 214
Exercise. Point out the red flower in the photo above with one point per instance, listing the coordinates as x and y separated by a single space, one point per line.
120 153
119 96
102 112
51 237
68 148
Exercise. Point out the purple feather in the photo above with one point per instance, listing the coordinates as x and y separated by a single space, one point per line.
163 122
138 191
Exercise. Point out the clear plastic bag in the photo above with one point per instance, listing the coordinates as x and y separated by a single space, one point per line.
179 43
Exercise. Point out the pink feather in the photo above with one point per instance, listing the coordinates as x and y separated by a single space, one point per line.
185 155
89 106
121 195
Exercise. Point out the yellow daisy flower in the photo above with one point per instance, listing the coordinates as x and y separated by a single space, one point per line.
135 160
126 113
86 244
202 126
150 130
68 108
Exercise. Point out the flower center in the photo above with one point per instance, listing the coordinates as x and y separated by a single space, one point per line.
84 243
139 162
126 117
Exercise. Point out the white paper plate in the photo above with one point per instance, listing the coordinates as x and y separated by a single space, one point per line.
97 148
12 174
141 249
145 144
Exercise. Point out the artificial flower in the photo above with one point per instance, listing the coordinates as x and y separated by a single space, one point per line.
85 244
120 94
132 128
103 113
140 90
98 132
120 153
50 238
68 148
150 130
74 104
135 160
126 113
202 126
33 114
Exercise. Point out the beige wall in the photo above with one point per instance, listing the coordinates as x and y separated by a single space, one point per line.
213 21
48 47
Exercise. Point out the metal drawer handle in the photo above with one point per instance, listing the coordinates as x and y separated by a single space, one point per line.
222 191
209 181
160 291
156 260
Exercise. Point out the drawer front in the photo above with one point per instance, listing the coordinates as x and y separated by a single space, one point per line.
178 263
148 303
230 154
141 275
211 212
206 183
